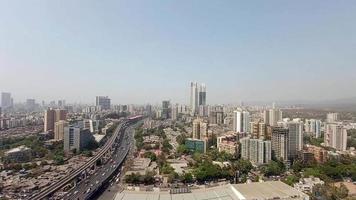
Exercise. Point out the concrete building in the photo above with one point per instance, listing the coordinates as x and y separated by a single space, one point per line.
59 129
196 145
165 109
241 123
332 117
275 115
313 126
61 114
104 102
335 136
252 191
196 128
229 144
19 154
295 139
256 151
76 138
6 100
49 119
306 185
197 97
280 143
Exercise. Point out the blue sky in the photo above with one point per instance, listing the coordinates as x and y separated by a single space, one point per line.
146 51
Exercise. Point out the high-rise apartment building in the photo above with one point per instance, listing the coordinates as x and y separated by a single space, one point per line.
295 139
256 151
335 136
49 119
6 100
76 138
103 102
196 129
52 116
280 143
165 109
332 117
241 123
313 126
275 115
197 97
59 129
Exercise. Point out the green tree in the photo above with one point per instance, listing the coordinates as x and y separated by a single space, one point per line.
187 178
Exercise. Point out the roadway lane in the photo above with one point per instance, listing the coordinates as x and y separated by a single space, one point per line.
85 188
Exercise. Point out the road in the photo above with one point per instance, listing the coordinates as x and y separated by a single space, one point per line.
108 171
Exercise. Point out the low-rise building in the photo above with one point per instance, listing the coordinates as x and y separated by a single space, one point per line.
196 145
229 144
307 184
18 154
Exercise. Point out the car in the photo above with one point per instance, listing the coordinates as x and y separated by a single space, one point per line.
75 192
103 174
97 182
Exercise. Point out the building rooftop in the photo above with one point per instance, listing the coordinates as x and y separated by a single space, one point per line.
17 149
252 191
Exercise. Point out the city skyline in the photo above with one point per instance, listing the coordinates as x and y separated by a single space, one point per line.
129 50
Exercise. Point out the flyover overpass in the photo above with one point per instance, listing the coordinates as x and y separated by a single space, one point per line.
106 150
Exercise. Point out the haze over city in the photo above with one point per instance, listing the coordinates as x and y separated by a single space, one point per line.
146 51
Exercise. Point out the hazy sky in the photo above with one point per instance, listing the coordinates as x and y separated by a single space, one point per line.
145 51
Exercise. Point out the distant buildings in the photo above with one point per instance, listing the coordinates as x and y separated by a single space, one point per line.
272 116
104 102
256 151
197 97
76 138
241 123
6 100
19 154
335 136
165 109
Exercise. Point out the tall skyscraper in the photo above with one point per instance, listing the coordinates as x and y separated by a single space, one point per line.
313 126
197 97
256 151
103 102
61 114
196 129
280 143
332 117
52 116
275 115
165 109
59 129
175 112
76 138
241 123
335 136
202 95
6 100
295 139
49 119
